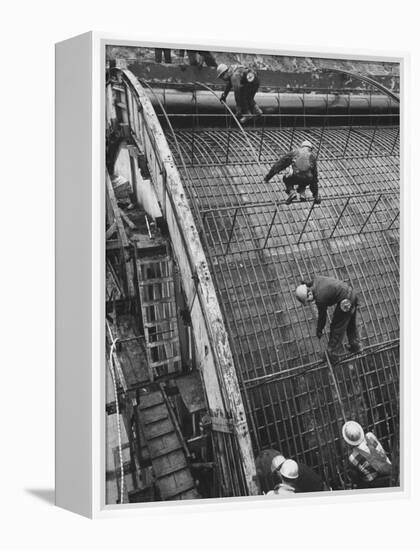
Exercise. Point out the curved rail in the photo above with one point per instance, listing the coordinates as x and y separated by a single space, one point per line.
367 79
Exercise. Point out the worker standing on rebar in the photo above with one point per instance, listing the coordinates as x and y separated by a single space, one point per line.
370 467
301 171
325 292
245 83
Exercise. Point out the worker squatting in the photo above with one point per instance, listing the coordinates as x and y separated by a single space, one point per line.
367 466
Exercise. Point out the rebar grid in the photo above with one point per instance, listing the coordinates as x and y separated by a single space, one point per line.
259 251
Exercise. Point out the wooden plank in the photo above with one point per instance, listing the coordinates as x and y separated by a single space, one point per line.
153 414
158 429
174 459
110 231
176 483
148 400
157 364
174 467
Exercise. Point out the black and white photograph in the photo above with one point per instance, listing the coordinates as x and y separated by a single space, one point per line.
252 278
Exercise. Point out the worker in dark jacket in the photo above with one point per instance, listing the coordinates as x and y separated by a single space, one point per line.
302 171
245 83
325 292
263 465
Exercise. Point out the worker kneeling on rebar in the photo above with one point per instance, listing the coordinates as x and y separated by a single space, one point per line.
325 292
245 84
301 171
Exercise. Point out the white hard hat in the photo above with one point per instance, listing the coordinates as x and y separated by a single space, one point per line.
353 433
302 293
221 69
277 462
306 143
289 469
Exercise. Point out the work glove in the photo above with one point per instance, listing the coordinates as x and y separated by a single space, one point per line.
222 98
319 334
317 200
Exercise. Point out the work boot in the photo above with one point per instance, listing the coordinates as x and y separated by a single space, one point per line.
245 119
334 359
354 348
257 111
291 197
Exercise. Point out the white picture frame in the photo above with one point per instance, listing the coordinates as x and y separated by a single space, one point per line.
80 292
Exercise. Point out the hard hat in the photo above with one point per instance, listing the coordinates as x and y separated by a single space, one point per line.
302 293
250 76
289 469
277 462
221 69
306 143
353 433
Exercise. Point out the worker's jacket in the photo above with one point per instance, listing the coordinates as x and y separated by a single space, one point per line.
327 292
302 162
369 458
238 79
282 490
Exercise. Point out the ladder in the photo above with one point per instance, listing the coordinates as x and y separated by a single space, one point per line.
166 447
159 313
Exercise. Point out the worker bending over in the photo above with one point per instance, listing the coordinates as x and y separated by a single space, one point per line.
369 465
325 292
245 84
302 171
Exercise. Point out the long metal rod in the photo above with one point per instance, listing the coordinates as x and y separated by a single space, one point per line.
306 222
307 367
370 213
340 216
269 229
367 79
231 231
392 223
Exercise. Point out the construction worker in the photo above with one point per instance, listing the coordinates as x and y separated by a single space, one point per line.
245 84
307 482
289 473
301 171
325 292
198 58
166 53
370 467
263 466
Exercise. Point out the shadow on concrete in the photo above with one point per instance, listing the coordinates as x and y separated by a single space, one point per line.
47 495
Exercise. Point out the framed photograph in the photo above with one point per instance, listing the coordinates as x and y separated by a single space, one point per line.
228 274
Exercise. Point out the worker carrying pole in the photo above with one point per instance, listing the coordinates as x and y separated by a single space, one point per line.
301 171
325 292
245 84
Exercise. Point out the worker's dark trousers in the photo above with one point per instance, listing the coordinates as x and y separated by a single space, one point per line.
341 323
302 182
166 53
245 102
